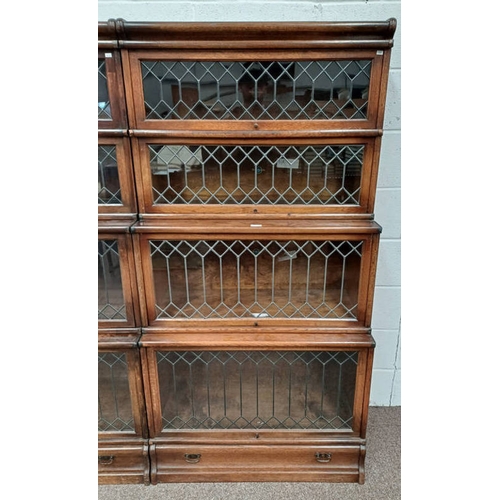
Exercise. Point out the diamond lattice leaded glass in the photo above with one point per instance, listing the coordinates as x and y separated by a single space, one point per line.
109 192
104 111
285 175
281 90
259 279
111 303
115 405
257 389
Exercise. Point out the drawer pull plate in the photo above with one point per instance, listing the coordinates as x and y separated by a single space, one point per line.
106 459
323 457
192 458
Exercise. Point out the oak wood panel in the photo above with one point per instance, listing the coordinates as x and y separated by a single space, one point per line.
229 36
115 223
106 34
256 227
366 392
249 339
110 339
257 462
123 462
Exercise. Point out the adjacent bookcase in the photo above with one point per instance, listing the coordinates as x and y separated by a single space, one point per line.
237 248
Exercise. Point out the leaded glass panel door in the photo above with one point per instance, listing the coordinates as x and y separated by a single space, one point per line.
115 400
316 89
234 176
121 406
223 387
265 280
115 190
122 422
255 90
117 287
256 389
111 112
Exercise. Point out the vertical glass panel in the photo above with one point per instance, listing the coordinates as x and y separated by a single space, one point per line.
259 279
115 404
286 175
281 90
110 297
108 181
104 110
257 389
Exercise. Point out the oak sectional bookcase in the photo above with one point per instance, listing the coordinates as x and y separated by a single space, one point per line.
237 248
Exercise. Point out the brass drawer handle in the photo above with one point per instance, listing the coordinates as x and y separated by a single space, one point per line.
323 457
106 459
192 458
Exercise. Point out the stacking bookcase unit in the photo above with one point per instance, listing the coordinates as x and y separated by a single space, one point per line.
237 248
123 446
257 407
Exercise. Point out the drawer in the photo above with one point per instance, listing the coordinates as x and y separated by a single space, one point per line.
192 463
123 463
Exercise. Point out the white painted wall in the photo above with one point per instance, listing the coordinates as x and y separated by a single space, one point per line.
386 384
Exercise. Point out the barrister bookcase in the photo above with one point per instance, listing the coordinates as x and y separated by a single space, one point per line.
237 248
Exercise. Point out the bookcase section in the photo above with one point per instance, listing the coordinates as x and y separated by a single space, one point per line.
237 173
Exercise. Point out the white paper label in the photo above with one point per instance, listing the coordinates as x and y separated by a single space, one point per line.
260 315
287 256
288 163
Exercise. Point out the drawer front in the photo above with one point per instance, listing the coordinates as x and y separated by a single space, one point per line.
123 464
257 463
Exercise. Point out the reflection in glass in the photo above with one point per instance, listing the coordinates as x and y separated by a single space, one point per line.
257 389
104 111
301 175
115 405
108 181
110 297
305 90
256 279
